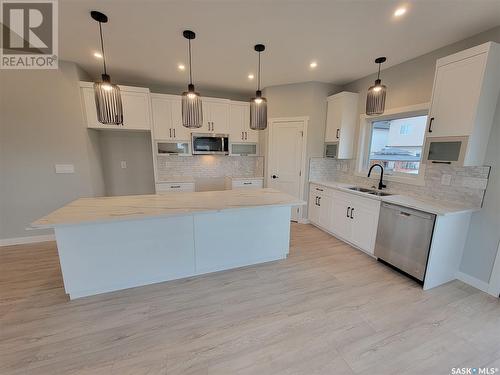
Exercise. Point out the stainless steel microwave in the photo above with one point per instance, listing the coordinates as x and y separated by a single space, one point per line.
210 144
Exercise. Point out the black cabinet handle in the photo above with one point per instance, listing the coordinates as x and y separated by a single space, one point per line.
348 208
318 189
352 210
337 135
430 124
316 202
441 162
319 201
174 133
170 132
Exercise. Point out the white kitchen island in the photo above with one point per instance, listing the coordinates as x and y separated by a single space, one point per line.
113 243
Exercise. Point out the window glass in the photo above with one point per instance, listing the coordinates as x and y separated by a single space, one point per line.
397 144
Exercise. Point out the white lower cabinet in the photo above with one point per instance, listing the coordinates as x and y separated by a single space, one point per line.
350 217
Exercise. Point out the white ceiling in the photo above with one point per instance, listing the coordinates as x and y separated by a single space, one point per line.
144 43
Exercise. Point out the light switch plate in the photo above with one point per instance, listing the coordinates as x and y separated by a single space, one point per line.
123 164
446 179
65 168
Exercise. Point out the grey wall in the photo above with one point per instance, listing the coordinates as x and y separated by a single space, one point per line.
135 149
411 83
42 124
297 100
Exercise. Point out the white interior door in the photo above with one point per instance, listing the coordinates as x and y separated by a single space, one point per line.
285 158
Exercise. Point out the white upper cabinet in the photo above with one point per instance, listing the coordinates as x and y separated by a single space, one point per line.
240 131
215 116
342 118
135 102
167 118
464 98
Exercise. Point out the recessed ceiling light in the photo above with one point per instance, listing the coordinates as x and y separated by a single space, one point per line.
181 67
98 55
313 64
250 76
399 12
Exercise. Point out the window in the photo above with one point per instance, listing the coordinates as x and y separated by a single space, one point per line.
397 144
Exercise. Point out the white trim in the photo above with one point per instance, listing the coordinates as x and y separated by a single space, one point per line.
26 240
302 180
472 281
494 285
303 221
365 135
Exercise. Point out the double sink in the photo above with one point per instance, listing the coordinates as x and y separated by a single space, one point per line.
369 191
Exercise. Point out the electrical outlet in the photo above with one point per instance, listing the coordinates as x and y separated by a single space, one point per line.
446 179
123 164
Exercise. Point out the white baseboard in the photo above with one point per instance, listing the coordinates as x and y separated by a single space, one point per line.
303 221
472 281
25 240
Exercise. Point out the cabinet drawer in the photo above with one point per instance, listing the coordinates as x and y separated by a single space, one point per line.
242 184
174 186
321 190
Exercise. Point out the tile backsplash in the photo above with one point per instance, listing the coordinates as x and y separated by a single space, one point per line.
209 166
466 186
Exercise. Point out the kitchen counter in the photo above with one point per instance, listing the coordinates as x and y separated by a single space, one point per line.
93 210
427 205
112 243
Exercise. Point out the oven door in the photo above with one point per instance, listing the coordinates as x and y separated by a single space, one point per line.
210 144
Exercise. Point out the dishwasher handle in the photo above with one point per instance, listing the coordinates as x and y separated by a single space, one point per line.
407 212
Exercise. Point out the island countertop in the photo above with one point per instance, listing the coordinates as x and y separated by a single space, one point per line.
102 209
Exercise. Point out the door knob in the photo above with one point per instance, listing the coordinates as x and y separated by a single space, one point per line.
274 176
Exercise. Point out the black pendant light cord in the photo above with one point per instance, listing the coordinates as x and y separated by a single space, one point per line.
378 74
190 68
258 76
102 49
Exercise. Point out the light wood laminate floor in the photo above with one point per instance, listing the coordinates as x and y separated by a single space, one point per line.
327 309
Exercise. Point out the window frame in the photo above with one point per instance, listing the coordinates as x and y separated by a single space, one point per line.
364 142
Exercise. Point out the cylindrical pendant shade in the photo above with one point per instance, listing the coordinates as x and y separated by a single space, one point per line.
192 111
108 103
258 113
375 100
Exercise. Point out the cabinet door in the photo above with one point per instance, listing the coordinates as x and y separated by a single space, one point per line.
333 120
162 118
180 132
207 125
455 96
89 108
136 114
364 224
325 212
313 208
219 116
237 123
340 222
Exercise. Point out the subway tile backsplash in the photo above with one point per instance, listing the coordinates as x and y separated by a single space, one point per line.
467 184
208 166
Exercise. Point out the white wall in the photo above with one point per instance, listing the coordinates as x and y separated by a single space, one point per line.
42 124
297 100
411 83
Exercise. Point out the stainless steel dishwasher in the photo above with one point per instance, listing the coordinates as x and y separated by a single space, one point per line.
404 238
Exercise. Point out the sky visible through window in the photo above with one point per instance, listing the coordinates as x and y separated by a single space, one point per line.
397 144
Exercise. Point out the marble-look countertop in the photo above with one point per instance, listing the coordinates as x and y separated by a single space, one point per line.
245 178
177 179
427 205
102 209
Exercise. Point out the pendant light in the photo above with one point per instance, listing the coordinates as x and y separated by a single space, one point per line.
375 98
108 100
258 105
192 112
